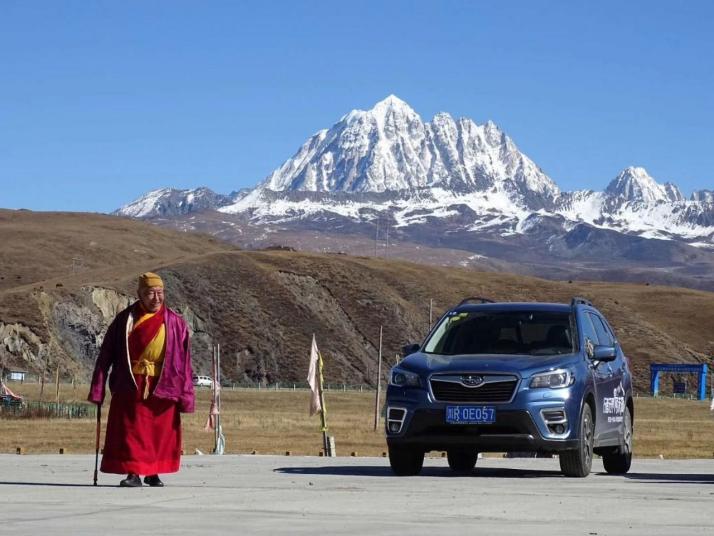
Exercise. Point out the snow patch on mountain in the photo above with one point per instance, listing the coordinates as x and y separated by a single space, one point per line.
486 209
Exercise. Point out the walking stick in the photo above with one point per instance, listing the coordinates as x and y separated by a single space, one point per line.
96 453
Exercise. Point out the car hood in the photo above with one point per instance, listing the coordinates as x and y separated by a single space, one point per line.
523 365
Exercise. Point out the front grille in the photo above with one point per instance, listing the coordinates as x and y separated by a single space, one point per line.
449 391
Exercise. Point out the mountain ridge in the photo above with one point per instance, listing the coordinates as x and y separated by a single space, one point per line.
453 184
389 150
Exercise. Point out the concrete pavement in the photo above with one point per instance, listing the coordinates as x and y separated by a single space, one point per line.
52 494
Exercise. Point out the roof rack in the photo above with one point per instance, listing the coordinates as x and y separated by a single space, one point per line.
478 299
577 300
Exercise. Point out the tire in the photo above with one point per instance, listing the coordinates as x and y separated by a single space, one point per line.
406 461
462 461
577 462
618 462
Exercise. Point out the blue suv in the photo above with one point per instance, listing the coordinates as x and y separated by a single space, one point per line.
511 377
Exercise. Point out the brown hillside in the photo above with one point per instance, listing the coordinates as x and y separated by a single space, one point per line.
40 246
262 307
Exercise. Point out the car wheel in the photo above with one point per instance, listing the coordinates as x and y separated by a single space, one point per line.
406 461
577 462
462 461
619 461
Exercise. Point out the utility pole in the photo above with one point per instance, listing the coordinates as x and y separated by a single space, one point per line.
217 379
220 441
327 441
376 238
379 381
386 248
57 383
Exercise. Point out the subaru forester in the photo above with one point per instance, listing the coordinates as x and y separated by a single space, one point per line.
513 377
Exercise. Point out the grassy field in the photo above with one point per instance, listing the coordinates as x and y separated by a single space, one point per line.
274 422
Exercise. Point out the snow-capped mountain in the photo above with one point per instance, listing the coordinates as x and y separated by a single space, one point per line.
634 203
634 185
389 148
174 202
450 183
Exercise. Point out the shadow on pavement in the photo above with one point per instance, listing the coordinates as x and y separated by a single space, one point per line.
367 470
673 478
55 484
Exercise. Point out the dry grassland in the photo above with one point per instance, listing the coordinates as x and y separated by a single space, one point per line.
274 422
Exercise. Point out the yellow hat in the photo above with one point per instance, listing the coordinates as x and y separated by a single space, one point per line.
150 280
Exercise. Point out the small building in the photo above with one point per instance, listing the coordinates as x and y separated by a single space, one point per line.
16 375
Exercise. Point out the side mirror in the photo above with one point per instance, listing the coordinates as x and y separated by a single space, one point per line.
604 353
409 349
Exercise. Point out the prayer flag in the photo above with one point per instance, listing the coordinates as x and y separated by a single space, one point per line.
314 379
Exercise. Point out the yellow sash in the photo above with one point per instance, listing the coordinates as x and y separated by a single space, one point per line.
151 359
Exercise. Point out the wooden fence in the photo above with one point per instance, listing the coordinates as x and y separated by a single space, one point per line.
47 410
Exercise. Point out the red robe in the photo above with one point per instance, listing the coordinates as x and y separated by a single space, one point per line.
143 431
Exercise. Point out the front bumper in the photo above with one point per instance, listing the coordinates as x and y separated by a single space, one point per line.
520 424
514 430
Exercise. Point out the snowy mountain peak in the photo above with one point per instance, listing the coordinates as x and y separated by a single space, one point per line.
634 184
389 148
490 126
172 201
390 107
703 196
392 102
144 205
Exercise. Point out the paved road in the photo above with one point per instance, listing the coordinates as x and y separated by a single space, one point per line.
311 495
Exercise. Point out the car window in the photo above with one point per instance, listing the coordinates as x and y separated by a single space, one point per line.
504 332
603 334
609 329
589 333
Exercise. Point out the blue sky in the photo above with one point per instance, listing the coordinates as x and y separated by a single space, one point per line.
102 101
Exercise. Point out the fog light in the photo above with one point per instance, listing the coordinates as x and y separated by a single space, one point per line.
395 419
555 419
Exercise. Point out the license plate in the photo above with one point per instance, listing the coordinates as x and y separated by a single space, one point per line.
470 414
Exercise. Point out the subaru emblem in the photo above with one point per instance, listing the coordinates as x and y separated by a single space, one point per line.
471 380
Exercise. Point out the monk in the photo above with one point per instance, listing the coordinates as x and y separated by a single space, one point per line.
147 348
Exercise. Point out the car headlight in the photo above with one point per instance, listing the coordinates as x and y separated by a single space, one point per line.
404 378
552 380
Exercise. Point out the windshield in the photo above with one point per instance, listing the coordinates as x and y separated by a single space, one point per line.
506 332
